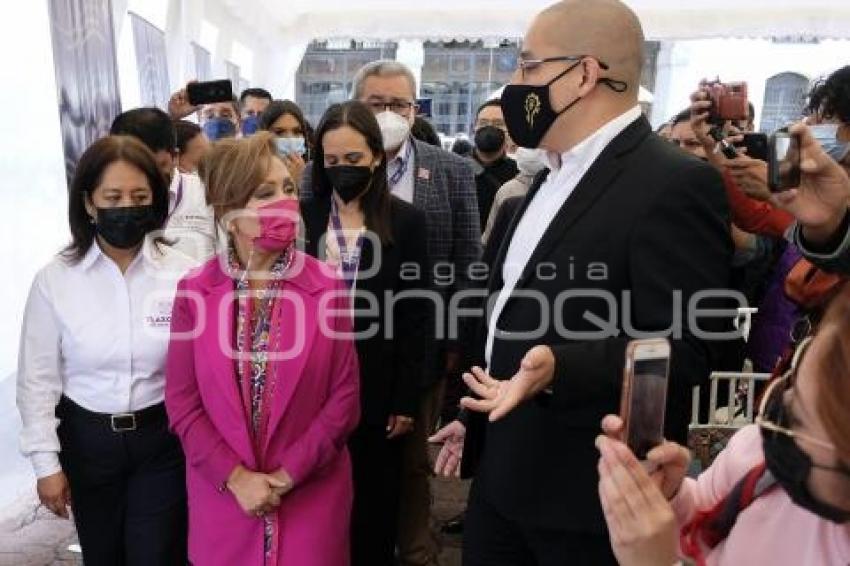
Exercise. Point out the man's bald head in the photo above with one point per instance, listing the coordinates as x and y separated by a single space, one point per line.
607 30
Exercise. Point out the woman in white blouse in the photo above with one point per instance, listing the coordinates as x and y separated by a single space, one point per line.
90 372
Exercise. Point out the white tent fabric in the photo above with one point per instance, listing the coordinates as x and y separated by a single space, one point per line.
287 26
454 19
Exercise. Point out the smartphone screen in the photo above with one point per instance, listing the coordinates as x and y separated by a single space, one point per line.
756 145
784 162
647 402
210 92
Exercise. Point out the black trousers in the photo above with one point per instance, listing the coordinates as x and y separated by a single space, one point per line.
376 463
128 489
490 539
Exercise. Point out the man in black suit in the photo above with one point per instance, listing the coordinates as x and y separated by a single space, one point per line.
602 246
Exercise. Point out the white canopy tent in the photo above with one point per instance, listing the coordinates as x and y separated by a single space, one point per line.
287 27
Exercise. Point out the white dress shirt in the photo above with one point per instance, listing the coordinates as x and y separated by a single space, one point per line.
97 336
404 188
190 224
566 171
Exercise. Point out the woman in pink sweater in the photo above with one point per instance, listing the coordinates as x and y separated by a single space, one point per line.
778 494
262 383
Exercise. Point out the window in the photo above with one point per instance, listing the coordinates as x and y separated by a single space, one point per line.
244 58
209 37
232 71
460 75
784 98
325 74
202 62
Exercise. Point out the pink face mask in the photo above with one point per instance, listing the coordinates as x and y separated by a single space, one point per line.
278 225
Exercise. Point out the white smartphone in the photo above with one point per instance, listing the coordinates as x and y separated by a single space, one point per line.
644 397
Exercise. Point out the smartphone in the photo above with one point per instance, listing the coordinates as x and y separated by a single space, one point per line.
644 397
756 146
210 92
783 164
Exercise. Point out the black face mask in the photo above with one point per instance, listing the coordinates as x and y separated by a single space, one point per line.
791 467
350 181
489 139
125 227
528 109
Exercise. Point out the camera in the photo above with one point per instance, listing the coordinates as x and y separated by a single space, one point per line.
729 101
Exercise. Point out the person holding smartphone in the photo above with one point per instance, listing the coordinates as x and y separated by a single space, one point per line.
779 493
91 371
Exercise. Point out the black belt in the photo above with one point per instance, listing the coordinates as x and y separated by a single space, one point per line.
118 422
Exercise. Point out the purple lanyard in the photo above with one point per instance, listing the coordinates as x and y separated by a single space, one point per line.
396 177
349 259
177 199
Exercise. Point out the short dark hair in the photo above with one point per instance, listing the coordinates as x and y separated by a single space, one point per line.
424 131
185 132
462 147
830 97
149 125
279 108
376 201
88 175
683 116
256 93
486 103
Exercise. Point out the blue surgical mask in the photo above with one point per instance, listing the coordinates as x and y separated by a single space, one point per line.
217 128
827 137
250 125
291 146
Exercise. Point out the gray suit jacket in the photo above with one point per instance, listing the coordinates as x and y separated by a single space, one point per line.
444 188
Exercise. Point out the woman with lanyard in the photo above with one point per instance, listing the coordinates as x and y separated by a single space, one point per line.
262 383
92 361
377 244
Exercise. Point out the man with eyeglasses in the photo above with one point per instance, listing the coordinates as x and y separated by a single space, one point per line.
613 243
442 185
493 168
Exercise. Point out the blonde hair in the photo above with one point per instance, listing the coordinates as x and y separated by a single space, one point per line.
232 169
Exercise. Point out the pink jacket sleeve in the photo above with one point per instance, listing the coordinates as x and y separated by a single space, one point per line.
741 454
204 446
329 433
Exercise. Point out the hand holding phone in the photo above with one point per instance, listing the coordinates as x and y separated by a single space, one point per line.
756 145
644 397
783 166
210 92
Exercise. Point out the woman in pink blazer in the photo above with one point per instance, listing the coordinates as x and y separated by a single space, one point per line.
262 378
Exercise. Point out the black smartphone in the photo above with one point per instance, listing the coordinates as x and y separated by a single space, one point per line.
756 146
783 164
210 92
644 396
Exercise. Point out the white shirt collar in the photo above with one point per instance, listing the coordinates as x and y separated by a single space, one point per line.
589 148
150 253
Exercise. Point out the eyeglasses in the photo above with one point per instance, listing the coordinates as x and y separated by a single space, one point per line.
402 107
528 65
778 387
